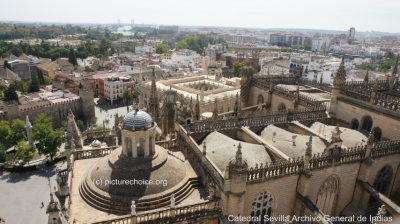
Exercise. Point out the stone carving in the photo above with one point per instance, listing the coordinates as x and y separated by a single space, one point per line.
172 200
133 209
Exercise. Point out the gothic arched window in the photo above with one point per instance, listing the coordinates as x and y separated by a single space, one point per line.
354 124
262 206
382 180
327 195
377 134
260 99
367 124
382 183
282 107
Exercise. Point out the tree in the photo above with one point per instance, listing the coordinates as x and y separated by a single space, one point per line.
52 143
181 45
94 120
72 57
49 140
34 85
18 132
5 131
3 154
127 96
80 124
20 85
47 80
10 94
40 77
390 55
25 151
136 93
237 68
162 48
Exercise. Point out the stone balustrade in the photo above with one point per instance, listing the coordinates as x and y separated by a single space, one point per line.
258 119
320 161
275 170
285 93
63 176
92 153
386 101
168 215
385 148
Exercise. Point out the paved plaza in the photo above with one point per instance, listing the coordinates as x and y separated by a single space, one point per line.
22 194
108 111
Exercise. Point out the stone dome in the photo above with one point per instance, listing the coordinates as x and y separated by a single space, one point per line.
138 119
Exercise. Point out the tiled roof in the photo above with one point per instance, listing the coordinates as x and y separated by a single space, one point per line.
138 120
8 74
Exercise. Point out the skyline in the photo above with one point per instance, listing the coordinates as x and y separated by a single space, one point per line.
311 14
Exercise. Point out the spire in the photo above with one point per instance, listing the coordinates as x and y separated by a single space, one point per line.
197 109
300 68
28 128
340 77
309 147
153 108
394 73
72 133
366 78
116 121
236 107
371 138
53 205
215 111
336 134
202 93
239 152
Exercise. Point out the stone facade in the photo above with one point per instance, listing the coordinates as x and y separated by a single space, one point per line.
82 107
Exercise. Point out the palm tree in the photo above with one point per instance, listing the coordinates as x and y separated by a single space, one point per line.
136 93
127 96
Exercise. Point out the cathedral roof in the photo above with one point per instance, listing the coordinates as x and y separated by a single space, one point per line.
221 154
138 119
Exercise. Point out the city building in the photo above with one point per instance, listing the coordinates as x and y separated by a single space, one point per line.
317 44
352 33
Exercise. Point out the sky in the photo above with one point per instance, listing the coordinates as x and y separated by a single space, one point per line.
364 15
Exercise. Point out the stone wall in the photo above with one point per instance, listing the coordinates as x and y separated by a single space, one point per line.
388 124
283 191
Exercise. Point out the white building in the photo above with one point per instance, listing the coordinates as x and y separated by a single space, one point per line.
186 58
144 49
317 44
114 86
125 68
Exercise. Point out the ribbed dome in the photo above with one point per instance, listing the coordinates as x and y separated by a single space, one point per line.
96 143
138 119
